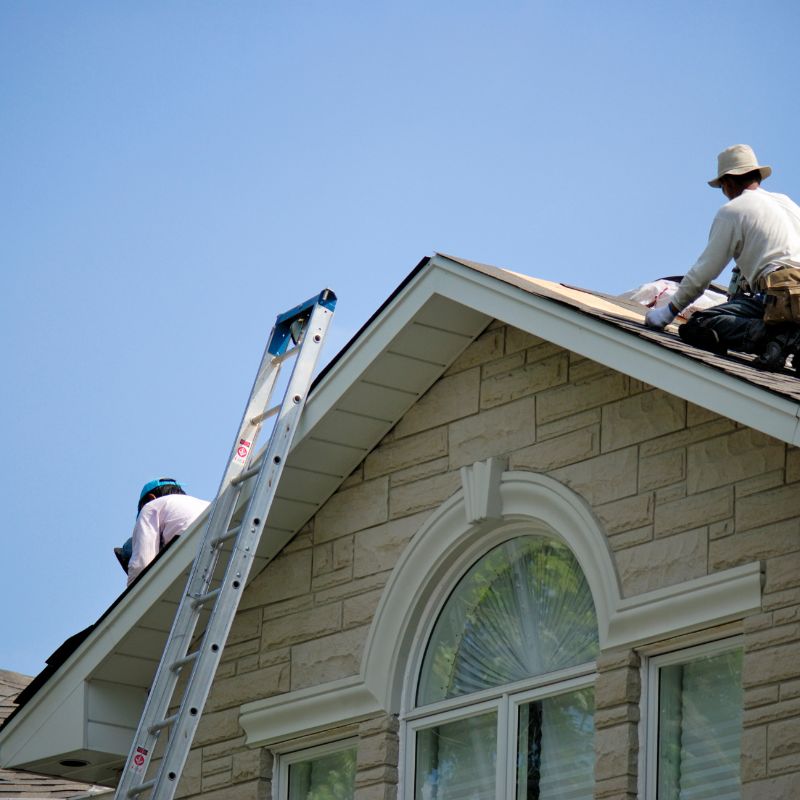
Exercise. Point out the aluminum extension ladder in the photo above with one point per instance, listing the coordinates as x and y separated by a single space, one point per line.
225 555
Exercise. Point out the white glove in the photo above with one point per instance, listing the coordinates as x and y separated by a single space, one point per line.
659 318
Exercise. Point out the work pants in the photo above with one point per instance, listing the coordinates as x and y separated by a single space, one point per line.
735 325
739 325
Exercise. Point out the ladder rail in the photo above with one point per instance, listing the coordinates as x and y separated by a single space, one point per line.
204 660
238 568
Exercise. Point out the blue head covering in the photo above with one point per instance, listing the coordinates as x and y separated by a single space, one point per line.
150 485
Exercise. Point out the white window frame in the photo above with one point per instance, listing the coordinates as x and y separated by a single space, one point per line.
505 699
651 668
283 761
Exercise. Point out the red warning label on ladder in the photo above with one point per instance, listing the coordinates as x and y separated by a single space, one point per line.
139 762
242 450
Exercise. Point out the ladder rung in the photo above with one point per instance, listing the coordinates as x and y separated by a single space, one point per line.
243 476
142 787
204 598
284 356
270 412
233 532
165 723
182 662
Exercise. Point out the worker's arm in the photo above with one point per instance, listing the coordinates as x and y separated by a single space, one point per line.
720 249
145 542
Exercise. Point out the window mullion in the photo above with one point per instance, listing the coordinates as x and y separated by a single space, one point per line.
503 747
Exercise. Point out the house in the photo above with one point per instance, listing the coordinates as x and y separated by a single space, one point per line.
522 546
25 784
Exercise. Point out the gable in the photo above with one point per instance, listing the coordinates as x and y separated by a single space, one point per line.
398 405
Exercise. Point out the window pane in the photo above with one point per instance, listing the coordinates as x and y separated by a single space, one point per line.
524 609
329 777
700 728
555 748
457 760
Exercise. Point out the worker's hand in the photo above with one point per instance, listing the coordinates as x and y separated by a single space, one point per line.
659 318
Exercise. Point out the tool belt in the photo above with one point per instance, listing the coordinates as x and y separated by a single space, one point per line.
782 289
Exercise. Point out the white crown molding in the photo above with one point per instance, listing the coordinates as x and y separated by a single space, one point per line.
696 604
306 711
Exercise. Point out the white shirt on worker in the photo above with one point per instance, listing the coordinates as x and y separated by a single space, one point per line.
158 523
756 229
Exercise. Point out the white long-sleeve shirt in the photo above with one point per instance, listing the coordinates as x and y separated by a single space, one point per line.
756 229
158 523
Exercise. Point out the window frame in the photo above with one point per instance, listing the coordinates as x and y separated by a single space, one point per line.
651 668
505 700
505 703
284 760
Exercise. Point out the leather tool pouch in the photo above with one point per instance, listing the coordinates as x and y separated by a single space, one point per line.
782 288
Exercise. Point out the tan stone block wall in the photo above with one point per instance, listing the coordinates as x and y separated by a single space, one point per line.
680 492
616 696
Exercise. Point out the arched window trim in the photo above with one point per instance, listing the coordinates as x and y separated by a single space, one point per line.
493 502
449 543
437 601
489 501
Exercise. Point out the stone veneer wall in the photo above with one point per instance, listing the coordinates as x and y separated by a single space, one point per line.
679 490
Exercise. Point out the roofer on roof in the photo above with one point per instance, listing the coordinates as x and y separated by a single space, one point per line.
760 230
164 512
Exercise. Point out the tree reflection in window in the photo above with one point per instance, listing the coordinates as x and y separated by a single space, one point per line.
327 777
458 760
523 610
555 753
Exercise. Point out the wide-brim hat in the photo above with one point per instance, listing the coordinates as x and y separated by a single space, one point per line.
738 160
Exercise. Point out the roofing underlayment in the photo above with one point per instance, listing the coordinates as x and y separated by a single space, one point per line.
408 344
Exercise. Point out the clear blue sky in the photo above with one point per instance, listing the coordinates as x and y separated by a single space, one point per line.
172 175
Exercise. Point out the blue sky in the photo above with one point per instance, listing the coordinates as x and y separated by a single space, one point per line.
172 175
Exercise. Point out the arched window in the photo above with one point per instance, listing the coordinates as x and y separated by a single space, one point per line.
504 700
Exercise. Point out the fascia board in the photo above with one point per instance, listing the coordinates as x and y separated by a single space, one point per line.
601 342
54 732
362 352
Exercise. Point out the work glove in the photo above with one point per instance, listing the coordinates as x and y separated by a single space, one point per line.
659 318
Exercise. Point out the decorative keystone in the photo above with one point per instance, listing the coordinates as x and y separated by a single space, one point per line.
481 484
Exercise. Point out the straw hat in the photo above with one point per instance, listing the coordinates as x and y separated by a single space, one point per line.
738 160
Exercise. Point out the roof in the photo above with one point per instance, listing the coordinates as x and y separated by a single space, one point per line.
410 342
14 783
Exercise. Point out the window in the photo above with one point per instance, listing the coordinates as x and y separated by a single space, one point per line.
323 773
695 723
505 700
